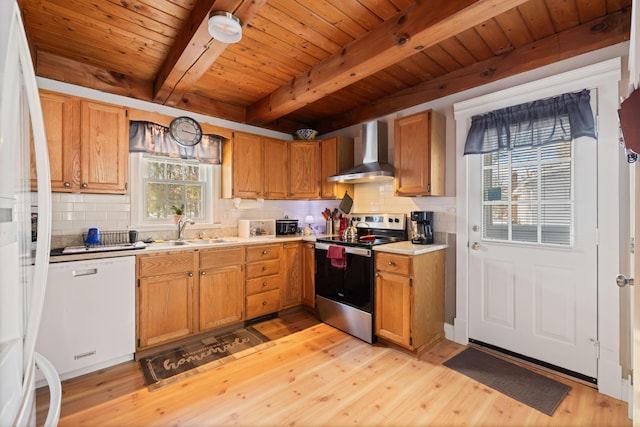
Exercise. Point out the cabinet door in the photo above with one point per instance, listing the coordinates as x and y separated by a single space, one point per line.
304 170
248 169
336 156
61 120
412 155
291 294
104 148
165 308
392 308
308 275
275 168
221 297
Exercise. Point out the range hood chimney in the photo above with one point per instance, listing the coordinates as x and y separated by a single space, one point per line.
373 165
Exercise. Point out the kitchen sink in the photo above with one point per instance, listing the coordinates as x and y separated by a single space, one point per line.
209 241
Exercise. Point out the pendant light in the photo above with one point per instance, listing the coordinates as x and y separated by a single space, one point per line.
225 27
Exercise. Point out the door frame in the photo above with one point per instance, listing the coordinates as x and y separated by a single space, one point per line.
604 77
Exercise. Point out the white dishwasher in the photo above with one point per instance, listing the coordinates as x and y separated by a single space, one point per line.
88 321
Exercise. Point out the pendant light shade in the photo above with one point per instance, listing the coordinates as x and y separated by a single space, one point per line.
225 27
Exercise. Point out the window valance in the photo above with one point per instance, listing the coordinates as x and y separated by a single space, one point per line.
540 122
152 138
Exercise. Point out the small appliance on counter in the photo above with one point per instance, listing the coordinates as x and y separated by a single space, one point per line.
286 226
256 227
421 227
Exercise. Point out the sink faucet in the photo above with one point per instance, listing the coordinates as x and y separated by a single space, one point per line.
182 223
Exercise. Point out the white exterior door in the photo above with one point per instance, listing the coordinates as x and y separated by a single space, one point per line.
533 253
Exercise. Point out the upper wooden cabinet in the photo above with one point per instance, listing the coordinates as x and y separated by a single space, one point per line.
276 182
256 166
336 156
88 144
304 170
420 154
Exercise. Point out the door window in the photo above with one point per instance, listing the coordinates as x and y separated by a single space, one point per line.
528 195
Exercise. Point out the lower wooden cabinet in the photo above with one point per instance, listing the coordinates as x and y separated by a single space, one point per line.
263 279
308 274
221 287
183 293
291 291
409 299
165 297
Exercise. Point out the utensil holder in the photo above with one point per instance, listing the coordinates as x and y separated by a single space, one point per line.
329 229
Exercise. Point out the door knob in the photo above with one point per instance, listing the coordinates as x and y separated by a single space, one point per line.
622 280
475 246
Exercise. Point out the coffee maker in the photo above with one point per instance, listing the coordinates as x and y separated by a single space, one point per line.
422 227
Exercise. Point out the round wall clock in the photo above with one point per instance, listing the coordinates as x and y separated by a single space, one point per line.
185 131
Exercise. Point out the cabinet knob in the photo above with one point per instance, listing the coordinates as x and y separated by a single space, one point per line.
67 184
264 268
265 283
264 303
265 252
191 274
390 262
84 185
204 273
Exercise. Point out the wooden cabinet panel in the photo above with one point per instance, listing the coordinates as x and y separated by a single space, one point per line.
221 298
88 144
409 299
165 308
304 170
393 302
276 164
291 292
61 121
263 303
264 268
222 257
261 284
104 148
162 263
336 156
248 169
263 252
308 275
419 151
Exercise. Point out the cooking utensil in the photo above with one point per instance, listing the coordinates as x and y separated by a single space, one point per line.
347 203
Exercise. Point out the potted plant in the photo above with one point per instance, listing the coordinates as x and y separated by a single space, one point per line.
178 211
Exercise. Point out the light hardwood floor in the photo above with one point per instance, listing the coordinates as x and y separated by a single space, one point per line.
316 375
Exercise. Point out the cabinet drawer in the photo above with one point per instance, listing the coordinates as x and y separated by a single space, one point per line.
263 252
261 269
263 303
400 264
262 284
223 257
165 263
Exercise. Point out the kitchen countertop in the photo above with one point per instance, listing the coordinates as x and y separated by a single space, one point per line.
404 248
408 248
169 246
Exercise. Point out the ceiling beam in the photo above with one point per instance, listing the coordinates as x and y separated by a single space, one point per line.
192 41
593 35
246 11
421 25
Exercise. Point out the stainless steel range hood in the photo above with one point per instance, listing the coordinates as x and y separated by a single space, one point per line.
373 164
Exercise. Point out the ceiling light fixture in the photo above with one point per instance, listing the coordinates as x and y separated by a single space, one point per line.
225 27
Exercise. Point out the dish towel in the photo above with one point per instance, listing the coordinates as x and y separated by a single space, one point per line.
338 256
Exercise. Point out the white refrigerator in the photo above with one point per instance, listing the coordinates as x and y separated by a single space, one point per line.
23 274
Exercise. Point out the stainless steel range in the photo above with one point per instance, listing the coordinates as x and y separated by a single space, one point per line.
345 272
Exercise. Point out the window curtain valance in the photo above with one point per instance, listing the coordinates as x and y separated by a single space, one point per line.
540 122
152 138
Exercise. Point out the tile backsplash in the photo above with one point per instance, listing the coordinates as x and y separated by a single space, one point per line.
74 213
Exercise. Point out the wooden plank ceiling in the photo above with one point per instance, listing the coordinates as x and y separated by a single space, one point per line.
324 64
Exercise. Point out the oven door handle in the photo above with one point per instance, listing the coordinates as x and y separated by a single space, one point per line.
348 249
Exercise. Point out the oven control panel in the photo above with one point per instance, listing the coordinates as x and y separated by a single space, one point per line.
381 221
